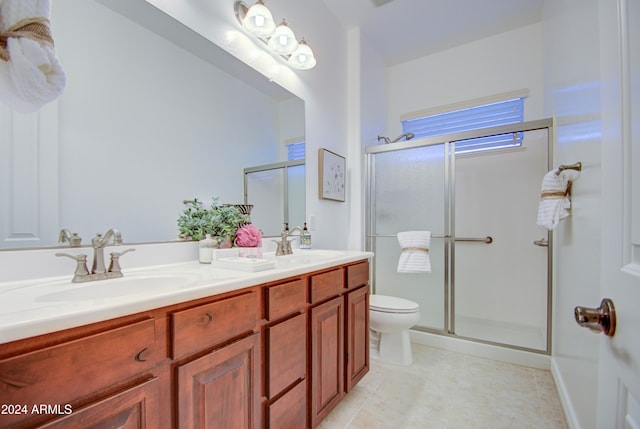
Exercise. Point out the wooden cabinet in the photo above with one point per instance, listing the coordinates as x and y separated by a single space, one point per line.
327 357
222 388
339 334
278 355
357 336
134 408
287 354
289 411
65 374
208 324
285 339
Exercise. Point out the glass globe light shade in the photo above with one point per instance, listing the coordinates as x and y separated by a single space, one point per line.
283 41
302 58
259 21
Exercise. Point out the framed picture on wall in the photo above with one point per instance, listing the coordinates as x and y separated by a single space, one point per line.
332 175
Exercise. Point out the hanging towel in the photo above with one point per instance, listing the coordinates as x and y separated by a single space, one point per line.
414 257
30 73
555 203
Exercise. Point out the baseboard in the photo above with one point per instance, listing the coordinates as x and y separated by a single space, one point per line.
567 407
488 351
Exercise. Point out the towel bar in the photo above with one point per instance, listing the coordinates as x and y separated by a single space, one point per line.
488 239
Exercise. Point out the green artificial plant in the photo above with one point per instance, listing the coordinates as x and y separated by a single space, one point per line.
221 221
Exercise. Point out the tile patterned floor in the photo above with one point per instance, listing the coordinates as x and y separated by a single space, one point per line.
449 390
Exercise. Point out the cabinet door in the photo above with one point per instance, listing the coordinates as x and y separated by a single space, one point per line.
286 352
357 344
135 408
222 388
327 358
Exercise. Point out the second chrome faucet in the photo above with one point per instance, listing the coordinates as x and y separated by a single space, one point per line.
98 269
284 245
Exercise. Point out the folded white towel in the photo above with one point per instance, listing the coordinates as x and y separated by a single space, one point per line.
414 257
32 76
555 203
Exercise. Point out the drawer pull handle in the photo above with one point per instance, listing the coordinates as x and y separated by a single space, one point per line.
204 319
140 356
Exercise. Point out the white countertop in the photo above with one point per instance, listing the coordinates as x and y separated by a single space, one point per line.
44 305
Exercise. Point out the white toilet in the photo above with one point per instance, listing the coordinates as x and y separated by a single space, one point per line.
390 319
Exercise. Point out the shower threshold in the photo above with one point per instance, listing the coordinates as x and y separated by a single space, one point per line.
486 349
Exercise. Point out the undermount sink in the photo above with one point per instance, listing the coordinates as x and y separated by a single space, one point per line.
130 284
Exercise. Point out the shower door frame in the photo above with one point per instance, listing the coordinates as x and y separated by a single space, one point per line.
449 140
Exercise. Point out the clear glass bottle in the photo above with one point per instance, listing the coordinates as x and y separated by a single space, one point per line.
206 249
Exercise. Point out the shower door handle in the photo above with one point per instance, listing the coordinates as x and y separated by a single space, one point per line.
542 242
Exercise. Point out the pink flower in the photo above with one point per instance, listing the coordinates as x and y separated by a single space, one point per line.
248 236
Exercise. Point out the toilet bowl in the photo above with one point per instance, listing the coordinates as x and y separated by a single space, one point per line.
390 319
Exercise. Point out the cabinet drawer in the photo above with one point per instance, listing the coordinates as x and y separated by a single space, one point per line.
290 411
285 299
210 324
326 285
135 406
358 275
63 373
287 354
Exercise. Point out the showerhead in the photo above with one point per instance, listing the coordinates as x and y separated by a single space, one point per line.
407 136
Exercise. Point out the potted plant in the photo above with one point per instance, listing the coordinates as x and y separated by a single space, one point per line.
224 221
192 223
220 221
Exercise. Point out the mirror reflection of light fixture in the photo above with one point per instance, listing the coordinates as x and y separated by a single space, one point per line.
280 40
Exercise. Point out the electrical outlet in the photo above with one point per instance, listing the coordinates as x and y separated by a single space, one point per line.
311 225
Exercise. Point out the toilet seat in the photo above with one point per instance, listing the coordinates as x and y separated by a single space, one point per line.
392 304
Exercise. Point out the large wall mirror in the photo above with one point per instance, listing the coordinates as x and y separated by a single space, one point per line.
153 114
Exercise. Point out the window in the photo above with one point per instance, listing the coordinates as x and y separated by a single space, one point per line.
483 116
295 151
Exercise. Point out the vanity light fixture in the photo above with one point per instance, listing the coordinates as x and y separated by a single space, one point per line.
280 40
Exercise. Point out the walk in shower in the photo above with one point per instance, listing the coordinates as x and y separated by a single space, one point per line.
490 263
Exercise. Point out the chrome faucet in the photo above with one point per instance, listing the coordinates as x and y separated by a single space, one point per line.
98 243
72 238
284 245
98 271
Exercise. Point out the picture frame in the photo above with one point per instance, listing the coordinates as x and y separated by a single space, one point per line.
332 169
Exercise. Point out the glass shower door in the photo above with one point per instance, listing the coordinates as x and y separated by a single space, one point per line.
410 194
500 290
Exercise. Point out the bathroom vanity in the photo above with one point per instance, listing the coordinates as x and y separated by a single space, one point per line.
227 349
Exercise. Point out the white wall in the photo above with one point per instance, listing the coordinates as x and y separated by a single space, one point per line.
367 106
505 62
572 97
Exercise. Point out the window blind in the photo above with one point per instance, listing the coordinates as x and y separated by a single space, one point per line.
488 115
295 151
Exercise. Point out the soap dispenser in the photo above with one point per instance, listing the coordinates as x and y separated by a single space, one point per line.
305 238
